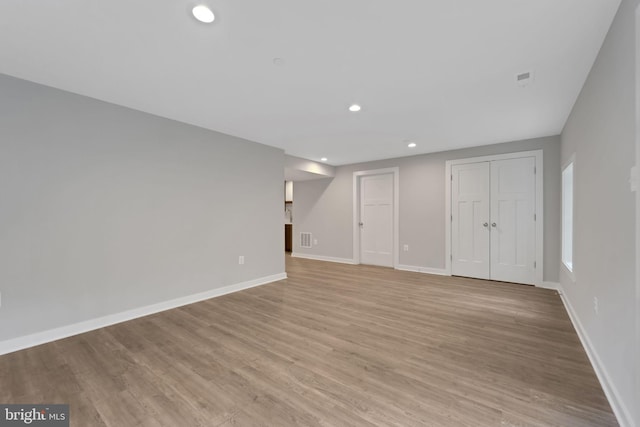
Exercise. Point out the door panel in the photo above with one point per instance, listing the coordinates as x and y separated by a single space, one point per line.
470 211
376 216
512 212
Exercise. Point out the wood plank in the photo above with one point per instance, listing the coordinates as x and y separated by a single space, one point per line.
332 345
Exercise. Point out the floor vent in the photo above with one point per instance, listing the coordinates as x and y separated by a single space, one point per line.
305 240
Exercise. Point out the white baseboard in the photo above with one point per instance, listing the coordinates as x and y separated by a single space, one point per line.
619 409
427 270
20 343
323 258
549 285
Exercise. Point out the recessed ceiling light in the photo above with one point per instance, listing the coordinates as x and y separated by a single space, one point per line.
355 108
324 159
411 145
203 14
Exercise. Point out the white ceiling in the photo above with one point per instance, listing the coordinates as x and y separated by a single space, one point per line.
298 175
438 72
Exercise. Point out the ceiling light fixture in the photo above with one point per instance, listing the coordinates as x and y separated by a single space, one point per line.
411 145
203 14
355 108
324 159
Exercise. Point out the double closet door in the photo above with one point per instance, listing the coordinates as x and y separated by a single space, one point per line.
493 220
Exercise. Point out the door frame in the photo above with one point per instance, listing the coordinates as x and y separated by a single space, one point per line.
395 172
539 235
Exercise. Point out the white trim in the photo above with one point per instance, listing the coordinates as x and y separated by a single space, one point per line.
569 272
396 211
538 154
20 343
322 258
613 396
548 285
426 270
565 270
571 159
637 367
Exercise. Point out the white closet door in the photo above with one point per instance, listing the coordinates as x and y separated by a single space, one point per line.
376 220
470 217
513 228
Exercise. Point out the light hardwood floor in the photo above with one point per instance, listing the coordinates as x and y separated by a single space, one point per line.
333 345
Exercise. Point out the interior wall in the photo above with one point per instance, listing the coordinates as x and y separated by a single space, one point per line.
601 133
637 415
324 207
104 209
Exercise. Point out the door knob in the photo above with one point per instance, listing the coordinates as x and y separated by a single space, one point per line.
361 224
493 224
486 224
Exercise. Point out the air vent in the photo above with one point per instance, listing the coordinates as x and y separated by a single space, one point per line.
305 240
524 79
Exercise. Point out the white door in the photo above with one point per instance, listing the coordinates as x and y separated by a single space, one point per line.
513 226
493 223
470 220
376 220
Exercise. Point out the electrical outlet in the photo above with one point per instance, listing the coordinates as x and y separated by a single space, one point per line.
241 259
595 305
315 241
405 248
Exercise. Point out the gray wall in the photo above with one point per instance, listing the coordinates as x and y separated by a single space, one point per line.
601 133
325 207
105 209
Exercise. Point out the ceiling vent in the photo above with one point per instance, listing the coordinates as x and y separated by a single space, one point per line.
524 79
